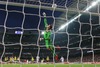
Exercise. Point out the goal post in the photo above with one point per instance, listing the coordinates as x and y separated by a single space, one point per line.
74 35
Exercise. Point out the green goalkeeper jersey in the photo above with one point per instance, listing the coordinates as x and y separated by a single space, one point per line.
47 38
47 35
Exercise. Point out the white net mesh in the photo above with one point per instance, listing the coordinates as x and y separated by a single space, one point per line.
75 33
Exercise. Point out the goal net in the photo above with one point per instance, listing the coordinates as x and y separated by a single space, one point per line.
75 33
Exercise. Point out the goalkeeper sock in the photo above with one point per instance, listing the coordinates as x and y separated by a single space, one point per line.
56 57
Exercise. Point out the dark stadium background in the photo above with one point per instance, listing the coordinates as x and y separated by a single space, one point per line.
32 27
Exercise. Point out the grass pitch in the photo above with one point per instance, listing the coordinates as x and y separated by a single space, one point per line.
49 65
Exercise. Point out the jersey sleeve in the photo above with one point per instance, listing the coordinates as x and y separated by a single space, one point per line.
45 22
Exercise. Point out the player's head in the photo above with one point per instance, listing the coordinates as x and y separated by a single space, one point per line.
49 27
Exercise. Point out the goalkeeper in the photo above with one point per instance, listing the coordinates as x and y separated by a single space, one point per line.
47 37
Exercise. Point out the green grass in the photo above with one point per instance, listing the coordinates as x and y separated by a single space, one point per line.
49 65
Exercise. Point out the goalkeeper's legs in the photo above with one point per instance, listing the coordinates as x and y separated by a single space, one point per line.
50 47
53 52
47 44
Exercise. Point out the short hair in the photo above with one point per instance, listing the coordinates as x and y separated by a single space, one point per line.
50 27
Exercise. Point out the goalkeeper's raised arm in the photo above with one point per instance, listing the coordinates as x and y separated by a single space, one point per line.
45 20
47 33
48 27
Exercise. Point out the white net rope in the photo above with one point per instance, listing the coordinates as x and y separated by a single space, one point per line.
80 38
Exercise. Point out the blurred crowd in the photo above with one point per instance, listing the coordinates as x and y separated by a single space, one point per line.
89 58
